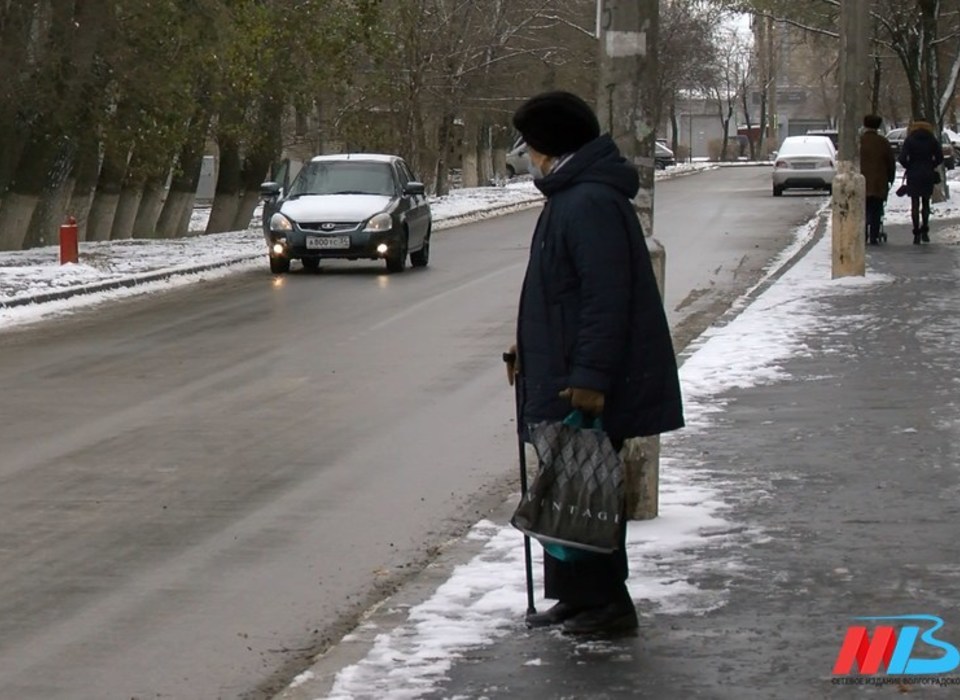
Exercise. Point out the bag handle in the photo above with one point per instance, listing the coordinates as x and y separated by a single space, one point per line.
578 419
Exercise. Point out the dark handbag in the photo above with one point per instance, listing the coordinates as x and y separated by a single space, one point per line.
902 189
576 501
936 177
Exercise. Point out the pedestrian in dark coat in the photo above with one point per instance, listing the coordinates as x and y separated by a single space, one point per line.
879 168
921 155
591 333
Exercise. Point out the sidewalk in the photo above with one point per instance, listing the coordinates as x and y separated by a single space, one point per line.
818 480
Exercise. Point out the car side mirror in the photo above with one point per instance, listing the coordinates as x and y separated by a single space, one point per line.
414 188
270 190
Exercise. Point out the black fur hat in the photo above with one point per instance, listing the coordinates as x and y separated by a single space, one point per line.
556 123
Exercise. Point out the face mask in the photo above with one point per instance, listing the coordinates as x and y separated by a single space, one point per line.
538 172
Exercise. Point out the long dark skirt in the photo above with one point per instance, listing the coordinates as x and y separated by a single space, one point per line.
595 580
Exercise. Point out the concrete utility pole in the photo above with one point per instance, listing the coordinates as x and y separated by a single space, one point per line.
627 30
849 196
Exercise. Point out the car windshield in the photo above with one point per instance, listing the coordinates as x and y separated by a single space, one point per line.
344 177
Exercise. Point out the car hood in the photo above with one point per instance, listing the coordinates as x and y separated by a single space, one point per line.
335 207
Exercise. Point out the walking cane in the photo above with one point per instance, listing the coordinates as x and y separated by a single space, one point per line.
527 557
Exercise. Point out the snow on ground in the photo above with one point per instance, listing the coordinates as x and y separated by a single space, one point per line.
898 208
485 599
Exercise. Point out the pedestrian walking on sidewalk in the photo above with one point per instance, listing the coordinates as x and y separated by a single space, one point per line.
879 168
921 155
592 334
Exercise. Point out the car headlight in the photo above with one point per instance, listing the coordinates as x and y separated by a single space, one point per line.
278 222
380 222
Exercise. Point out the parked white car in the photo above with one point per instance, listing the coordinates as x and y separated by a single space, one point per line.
804 162
518 161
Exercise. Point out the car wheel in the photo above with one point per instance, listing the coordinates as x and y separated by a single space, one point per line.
311 264
829 189
510 171
397 261
777 191
278 265
421 258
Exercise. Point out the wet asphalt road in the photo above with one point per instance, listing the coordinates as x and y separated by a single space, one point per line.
200 489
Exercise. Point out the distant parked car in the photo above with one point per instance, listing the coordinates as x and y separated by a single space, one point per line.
352 206
518 161
664 157
896 137
804 162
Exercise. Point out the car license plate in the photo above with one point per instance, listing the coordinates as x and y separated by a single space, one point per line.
327 242
805 166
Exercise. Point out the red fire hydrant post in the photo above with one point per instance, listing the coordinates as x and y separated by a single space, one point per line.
69 248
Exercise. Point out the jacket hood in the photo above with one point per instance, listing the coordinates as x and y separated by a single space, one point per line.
598 161
920 126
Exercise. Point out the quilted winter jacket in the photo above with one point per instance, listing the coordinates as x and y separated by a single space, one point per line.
920 154
590 312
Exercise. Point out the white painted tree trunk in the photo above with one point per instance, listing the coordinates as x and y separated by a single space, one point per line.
15 217
151 204
100 221
126 214
244 217
223 213
168 225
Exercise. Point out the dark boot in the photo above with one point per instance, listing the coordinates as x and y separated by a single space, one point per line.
615 618
925 233
916 236
554 616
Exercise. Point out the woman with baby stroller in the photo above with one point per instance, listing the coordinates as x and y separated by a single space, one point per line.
878 167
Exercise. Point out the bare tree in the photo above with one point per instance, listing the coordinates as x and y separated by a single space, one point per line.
728 79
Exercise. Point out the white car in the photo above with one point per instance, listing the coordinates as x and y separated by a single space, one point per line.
518 160
804 162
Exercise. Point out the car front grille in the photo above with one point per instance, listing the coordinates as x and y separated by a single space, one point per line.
329 226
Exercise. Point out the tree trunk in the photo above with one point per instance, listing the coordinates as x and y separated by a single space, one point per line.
875 89
470 167
29 183
151 204
183 184
227 198
86 172
126 215
443 151
47 217
262 153
674 128
15 39
107 197
485 155
745 96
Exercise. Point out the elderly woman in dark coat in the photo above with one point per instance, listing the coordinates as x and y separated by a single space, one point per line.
879 168
921 155
592 333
